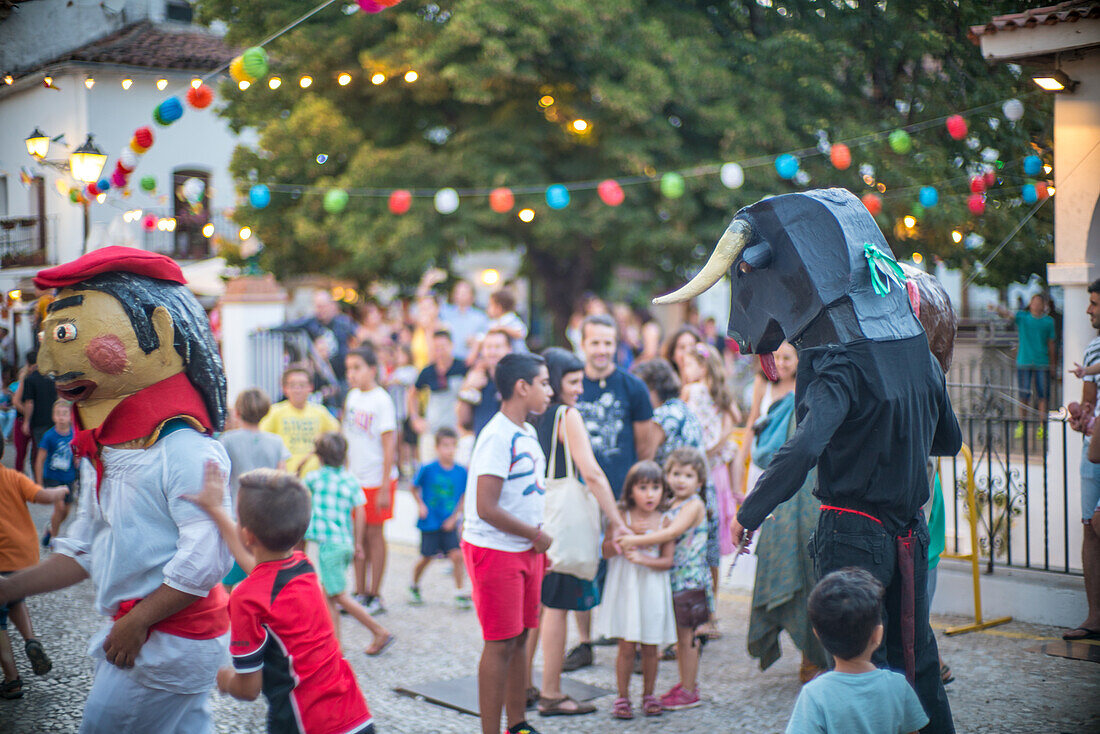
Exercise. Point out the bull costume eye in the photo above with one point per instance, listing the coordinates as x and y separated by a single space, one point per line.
65 332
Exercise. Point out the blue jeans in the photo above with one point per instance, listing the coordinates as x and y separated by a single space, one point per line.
1041 377
1090 483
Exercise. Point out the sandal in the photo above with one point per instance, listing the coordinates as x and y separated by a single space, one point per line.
945 673
1089 634
532 697
622 709
669 652
11 689
651 706
377 648
40 661
554 707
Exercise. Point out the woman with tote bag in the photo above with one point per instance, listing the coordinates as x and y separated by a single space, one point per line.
563 437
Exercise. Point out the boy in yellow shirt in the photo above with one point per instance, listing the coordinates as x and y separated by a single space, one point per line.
299 422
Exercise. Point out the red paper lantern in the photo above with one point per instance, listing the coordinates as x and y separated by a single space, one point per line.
118 179
200 96
501 200
92 189
873 202
611 193
976 204
400 201
977 184
990 177
149 223
956 127
1041 190
143 136
840 156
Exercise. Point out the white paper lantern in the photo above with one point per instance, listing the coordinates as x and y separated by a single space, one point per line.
446 201
192 190
128 158
1013 109
732 175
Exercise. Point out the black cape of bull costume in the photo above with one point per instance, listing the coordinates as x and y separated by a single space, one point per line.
871 402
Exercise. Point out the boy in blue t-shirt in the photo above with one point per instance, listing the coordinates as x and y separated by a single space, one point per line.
54 465
438 489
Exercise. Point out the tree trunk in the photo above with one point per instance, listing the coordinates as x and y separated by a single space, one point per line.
562 281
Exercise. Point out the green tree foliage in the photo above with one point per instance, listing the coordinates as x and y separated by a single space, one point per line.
665 85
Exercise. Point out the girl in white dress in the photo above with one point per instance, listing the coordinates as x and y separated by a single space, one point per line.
637 605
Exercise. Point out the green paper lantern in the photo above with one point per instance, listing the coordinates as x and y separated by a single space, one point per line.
336 200
900 142
148 183
672 186
74 196
254 61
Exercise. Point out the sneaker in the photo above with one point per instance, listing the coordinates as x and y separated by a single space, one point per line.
579 657
463 602
46 539
522 728
414 596
374 606
677 698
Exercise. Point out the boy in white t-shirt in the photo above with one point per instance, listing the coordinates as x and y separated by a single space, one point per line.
370 426
501 538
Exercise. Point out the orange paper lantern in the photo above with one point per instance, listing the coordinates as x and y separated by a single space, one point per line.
873 203
501 200
840 156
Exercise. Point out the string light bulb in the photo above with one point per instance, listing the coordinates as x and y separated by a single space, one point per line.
89 82
208 230
378 78
274 82
9 79
956 236
526 215
910 221
411 76
196 83
127 83
162 84
305 81
48 80
546 101
245 233
918 258
580 126
243 84
344 79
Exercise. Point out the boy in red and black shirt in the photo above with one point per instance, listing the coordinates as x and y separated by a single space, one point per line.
282 639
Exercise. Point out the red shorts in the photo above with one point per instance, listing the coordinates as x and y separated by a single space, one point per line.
374 514
506 589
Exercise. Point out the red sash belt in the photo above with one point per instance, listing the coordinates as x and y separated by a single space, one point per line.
204 619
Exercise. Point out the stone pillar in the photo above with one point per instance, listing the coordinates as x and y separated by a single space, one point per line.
250 302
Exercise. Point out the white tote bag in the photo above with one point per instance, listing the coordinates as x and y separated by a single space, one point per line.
571 517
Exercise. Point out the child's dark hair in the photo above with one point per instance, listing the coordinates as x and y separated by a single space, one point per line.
845 607
252 405
331 449
275 507
445 432
365 353
644 472
504 299
513 368
687 456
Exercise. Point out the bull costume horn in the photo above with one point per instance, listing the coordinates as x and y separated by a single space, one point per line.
736 236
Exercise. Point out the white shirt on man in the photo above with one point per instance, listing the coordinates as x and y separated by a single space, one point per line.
367 415
512 452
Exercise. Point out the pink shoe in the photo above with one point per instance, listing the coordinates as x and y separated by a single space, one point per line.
677 698
651 706
622 709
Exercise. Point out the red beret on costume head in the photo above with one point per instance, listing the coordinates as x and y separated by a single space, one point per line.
113 259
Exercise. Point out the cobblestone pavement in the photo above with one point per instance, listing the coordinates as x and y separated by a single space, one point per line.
1000 686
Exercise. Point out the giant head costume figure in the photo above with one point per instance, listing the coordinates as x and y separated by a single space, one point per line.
125 331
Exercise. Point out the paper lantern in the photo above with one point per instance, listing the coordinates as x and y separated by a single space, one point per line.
92 189
840 156
200 97
446 201
254 62
370 6
193 189
143 136
127 160
148 183
1029 193
873 203
259 196
786 166
149 223
611 193
1041 190
956 127
929 197
1013 109
732 175
900 142
976 204
1033 165
137 149
977 184
236 70
336 200
118 179
74 196
557 196
400 201
103 185
501 200
990 177
168 111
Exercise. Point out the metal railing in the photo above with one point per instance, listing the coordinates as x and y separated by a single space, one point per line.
272 352
1022 481
23 241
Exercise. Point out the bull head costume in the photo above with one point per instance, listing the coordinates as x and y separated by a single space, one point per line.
814 269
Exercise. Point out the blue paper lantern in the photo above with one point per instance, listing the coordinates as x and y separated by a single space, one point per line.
786 166
259 196
103 185
929 197
557 196
1033 165
1030 194
170 110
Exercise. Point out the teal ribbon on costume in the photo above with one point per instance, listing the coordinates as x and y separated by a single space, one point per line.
881 265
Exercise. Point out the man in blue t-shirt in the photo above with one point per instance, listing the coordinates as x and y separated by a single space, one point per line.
438 488
1035 357
619 417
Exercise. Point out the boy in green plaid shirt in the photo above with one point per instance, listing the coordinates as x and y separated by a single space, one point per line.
336 493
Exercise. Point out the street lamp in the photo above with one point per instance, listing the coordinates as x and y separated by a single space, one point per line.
87 161
38 144
1054 81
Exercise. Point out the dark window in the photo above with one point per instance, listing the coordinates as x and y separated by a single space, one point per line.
179 11
191 214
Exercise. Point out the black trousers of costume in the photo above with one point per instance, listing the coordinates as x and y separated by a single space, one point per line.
847 539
